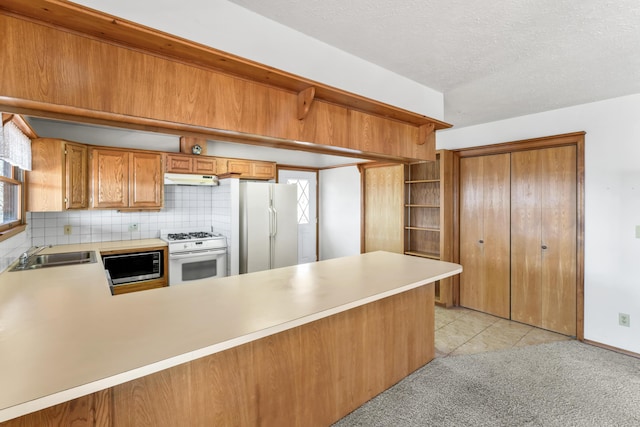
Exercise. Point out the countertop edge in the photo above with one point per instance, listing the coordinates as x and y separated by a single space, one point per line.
101 384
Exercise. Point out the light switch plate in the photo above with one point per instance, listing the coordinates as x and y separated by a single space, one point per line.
637 231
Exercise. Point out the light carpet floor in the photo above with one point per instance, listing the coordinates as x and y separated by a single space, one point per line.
565 383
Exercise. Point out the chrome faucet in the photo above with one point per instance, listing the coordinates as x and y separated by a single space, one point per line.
24 257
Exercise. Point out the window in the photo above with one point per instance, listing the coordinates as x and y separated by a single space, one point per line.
11 178
15 158
303 199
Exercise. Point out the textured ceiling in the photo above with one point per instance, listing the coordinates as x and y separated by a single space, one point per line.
492 60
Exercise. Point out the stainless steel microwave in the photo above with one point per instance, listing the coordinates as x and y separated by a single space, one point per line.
134 267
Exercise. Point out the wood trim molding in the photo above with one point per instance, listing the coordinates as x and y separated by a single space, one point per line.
612 348
574 138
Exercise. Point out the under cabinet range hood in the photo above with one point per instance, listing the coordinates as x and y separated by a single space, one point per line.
189 179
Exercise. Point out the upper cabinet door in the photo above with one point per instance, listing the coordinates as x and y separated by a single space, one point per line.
109 178
145 180
76 164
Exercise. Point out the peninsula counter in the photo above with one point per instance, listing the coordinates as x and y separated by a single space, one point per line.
301 345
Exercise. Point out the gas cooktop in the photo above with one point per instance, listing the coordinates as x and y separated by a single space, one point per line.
191 235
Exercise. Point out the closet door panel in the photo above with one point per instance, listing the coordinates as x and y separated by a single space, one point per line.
471 232
484 233
558 205
496 214
526 231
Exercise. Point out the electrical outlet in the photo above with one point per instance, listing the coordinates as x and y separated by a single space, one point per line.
624 319
133 227
67 229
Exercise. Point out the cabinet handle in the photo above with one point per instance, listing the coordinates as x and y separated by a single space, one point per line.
544 246
480 241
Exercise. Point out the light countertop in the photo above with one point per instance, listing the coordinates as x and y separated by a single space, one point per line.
63 335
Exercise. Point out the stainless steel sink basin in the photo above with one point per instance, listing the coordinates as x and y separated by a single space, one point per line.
56 260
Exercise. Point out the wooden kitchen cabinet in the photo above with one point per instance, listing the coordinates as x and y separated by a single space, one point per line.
185 163
484 233
123 179
59 177
248 169
428 214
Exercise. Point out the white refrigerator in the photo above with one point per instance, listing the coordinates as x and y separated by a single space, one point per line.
268 226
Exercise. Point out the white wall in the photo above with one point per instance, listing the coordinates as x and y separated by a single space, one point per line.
612 203
339 212
228 27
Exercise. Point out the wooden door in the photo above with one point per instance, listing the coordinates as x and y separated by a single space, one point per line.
77 176
484 233
543 241
145 180
384 208
109 178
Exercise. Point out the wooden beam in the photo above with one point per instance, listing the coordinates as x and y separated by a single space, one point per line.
305 98
187 143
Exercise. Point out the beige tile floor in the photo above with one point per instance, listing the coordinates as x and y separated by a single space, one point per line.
463 331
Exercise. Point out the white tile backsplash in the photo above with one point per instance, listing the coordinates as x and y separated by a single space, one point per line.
184 207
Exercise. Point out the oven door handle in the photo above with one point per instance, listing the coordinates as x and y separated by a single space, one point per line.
198 254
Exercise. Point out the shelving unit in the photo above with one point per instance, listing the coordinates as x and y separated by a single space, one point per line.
428 212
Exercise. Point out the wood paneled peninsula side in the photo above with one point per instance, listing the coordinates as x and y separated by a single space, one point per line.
289 346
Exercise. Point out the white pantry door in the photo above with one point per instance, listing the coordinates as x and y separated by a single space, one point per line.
307 182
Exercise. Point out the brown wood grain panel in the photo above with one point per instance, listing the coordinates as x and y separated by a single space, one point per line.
179 163
311 375
204 165
92 410
383 213
92 77
445 166
46 181
496 234
471 232
278 372
377 134
146 180
326 124
225 394
109 178
558 218
116 30
77 176
526 231
484 233
160 399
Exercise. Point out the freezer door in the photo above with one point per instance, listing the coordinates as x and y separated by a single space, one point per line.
255 226
285 225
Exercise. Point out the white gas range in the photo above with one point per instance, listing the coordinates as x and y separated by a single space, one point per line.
195 253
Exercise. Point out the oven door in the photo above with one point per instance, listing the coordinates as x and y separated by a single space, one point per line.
195 265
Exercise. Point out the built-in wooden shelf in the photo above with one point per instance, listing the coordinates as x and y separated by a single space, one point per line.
422 206
436 229
422 181
423 254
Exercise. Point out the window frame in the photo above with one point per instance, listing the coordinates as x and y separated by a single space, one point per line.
12 228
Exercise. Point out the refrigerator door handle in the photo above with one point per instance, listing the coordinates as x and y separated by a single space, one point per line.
275 221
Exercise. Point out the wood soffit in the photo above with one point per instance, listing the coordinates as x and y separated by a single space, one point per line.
76 18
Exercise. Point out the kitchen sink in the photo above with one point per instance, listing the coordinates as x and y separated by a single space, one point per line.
56 260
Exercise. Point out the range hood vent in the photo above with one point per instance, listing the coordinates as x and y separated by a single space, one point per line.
189 179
